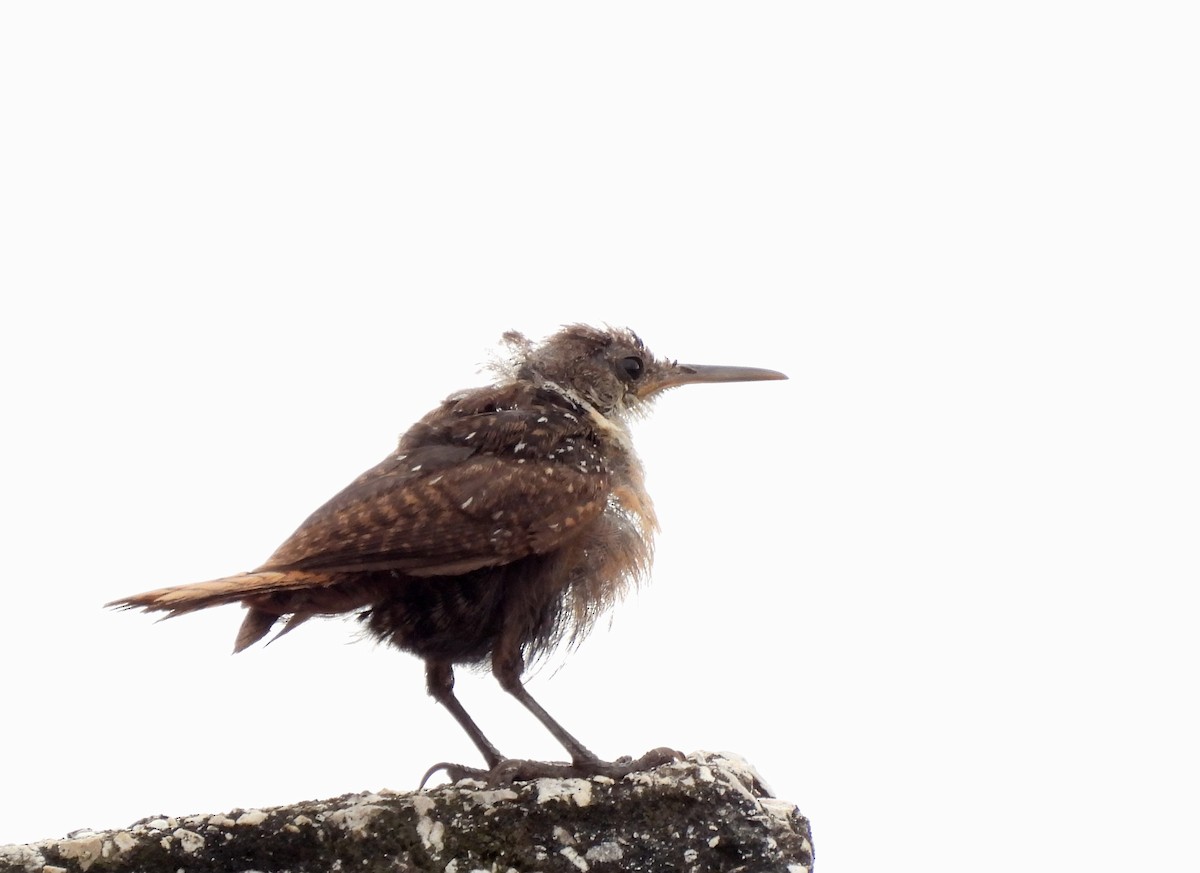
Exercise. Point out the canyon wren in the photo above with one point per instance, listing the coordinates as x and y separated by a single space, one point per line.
506 521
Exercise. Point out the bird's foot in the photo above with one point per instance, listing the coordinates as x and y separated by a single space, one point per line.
520 770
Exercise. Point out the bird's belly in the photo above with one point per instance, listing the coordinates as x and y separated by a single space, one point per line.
460 618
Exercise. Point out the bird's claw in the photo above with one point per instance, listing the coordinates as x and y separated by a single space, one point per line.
512 770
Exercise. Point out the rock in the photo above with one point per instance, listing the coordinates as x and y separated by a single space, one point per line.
708 812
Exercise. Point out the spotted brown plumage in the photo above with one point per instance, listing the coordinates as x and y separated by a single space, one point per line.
505 522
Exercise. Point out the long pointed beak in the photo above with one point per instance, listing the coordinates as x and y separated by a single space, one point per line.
690 374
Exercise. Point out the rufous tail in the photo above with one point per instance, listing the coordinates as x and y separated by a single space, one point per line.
262 587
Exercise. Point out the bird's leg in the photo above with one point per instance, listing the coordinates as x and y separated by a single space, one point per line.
507 671
583 762
439 679
504 771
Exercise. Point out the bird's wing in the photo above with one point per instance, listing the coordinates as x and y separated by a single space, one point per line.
475 494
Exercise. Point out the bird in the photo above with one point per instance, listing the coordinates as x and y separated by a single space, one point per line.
505 523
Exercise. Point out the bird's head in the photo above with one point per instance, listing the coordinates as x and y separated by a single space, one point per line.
613 370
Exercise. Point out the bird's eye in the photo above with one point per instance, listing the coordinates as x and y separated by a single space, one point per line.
631 368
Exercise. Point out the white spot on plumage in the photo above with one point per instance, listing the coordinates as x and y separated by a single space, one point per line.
467 502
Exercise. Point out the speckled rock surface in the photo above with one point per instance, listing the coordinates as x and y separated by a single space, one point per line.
706 813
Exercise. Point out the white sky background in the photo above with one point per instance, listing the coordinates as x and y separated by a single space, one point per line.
940 587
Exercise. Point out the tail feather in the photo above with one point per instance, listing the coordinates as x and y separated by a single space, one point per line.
256 625
182 599
268 596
